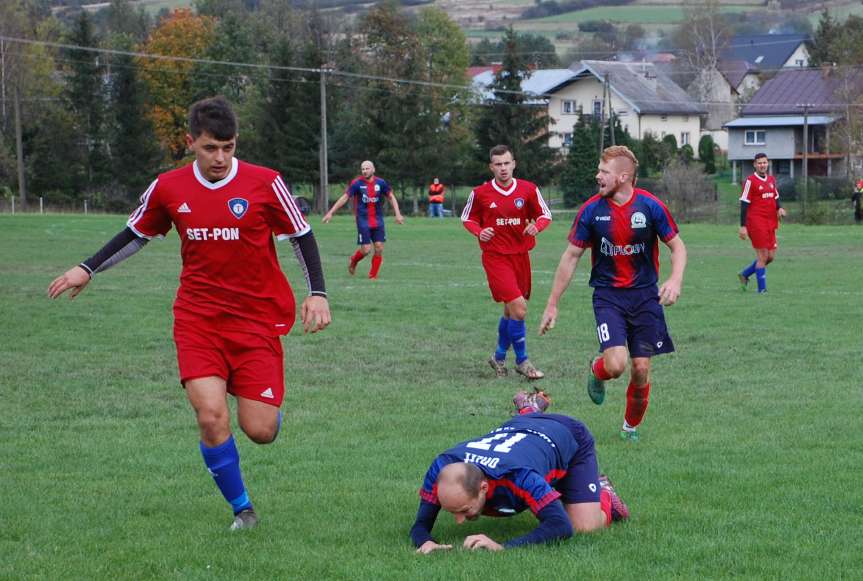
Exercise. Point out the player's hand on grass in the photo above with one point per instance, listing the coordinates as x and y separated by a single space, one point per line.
75 278
315 314
743 233
474 542
430 546
549 318
486 234
669 292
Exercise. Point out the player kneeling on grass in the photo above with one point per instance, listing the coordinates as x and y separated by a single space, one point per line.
537 461
234 301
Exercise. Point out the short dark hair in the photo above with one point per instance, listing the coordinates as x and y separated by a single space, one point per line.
499 150
760 155
214 116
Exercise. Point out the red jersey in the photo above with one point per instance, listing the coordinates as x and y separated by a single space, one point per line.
761 193
508 211
231 274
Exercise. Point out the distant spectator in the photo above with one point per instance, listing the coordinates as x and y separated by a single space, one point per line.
436 193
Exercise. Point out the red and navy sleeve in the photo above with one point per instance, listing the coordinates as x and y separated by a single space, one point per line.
581 232
665 226
554 525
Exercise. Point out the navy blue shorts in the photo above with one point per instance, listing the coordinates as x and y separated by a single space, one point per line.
631 317
366 235
581 483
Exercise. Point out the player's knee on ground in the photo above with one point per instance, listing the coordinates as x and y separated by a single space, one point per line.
586 517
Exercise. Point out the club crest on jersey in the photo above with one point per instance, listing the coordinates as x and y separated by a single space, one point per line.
238 207
519 203
638 220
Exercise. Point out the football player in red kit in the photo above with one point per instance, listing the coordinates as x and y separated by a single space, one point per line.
506 214
760 212
234 301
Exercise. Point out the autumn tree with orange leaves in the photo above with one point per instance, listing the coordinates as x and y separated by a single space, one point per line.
170 82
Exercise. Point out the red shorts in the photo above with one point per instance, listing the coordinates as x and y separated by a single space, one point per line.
251 365
762 236
508 275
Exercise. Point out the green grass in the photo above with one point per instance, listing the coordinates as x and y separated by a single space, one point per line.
748 466
634 14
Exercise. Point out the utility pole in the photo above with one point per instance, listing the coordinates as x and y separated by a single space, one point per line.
610 109
323 193
19 146
805 160
602 121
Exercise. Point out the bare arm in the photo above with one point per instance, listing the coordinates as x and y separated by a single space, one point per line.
343 199
562 277
395 204
670 289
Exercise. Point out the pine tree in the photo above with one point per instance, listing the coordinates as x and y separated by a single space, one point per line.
511 119
578 178
86 99
135 153
707 154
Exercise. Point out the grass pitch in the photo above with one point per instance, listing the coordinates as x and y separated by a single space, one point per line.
748 466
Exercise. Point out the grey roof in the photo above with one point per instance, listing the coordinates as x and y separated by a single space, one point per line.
735 71
823 89
766 51
783 121
541 82
647 90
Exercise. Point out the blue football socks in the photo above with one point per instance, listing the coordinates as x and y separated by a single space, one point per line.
517 333
223 463
749 270
503 340
761 277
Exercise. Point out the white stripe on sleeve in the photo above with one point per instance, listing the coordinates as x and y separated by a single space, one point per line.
745 196
545 211
293 212
466 212
138 213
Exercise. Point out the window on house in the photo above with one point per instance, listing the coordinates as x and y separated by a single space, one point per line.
664 118
799 62
567 107
621 113
755 137
684 138
758 59
567 139
597 108
686 118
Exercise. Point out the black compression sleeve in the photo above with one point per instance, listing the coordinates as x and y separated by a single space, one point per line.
114 245
554 524
744 208
426 516
306 250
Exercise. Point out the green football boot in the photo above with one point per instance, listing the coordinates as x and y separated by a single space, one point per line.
595 387
629 436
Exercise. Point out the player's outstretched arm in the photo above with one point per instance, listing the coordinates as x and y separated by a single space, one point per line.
669 292
395 204
119 248
421 530
562 277
343 199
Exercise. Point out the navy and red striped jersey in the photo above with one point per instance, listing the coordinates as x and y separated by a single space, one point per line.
761 194
368 197
624 239
522 460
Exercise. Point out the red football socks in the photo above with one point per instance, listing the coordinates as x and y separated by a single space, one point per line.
598 369
605 505
636 403
376 266
357 257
